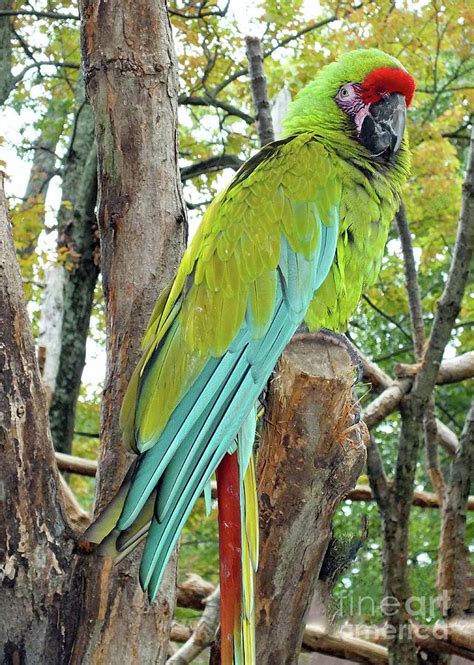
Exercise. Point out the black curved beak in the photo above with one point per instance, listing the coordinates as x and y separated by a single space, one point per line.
383 127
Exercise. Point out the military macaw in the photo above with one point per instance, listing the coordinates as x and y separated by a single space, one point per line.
297 235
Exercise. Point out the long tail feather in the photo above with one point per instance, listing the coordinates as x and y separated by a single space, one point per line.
230 550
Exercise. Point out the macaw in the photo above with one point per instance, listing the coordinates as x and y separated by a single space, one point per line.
296 236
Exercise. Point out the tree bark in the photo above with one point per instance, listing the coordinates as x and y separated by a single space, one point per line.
49 327
36 541
455 572
310 455
258 84
43 168
78 252
131 81
6 56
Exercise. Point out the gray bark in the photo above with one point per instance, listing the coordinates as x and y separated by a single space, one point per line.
37 549
258 84
6 77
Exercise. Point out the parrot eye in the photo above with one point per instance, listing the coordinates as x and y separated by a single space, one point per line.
346 92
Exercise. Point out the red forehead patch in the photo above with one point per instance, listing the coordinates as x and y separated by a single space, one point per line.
386 80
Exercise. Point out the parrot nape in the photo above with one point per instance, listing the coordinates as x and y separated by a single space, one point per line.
297 235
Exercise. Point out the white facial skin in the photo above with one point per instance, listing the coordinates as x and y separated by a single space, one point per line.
349 99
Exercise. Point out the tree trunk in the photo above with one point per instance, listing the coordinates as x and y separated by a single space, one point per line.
43 168
60 603
310 455
37 555
78 252
131 81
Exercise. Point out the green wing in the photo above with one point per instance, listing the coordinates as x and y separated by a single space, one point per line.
229 268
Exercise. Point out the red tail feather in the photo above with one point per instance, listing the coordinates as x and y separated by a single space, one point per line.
230 550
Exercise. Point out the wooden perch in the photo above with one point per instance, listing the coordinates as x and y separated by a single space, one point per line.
420 499
310 455
361 643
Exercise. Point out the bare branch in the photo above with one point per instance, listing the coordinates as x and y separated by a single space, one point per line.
203 634
390 394
43 63
452 370
201 13
411 277
344 646
210 165
40 14
284 42
385 316
418 333
79 465
210 100
258 84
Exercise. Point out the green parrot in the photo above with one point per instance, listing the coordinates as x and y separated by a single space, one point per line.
296 236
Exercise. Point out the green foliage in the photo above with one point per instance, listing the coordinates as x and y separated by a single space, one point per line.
87 422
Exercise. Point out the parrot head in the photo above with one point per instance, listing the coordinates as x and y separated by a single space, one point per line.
361 98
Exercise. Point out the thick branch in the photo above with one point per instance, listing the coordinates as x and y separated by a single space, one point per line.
131 80
23 424
344 646
452 370
390 394
79 465
418 334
